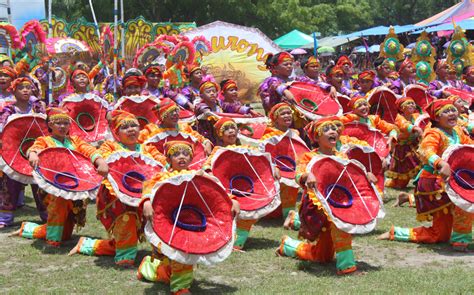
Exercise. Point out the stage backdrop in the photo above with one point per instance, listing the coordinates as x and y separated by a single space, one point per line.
238 53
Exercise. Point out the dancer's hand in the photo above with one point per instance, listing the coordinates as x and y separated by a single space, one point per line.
102 167
333 92
235 208
147 210
371 177
33 159
417 131
311 181
444 170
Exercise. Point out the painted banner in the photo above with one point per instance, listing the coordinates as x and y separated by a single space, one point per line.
238 53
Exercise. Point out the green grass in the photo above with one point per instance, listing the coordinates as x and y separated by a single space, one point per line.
31 267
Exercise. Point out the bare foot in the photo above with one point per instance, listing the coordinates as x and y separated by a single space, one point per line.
15 233
238 249
384 236
401 199
76 248
289 217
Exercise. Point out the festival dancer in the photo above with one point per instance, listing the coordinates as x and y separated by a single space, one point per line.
167 112
160 268
120 220
226 131
311 68
468 78
348 68
335 76
407 75
405 163
281 120
449 222
292 220
383 68
462 105
10 190
191 91
230 102
360 113
436 87
7 75
62 214
133 82
274 89
323 237
366 82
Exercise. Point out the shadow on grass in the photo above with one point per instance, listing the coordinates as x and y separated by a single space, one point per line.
329 269
445 249
271 222
254 244
197 287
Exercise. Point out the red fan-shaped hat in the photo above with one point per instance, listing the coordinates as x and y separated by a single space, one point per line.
192 221
250 134
159 140
88 112
186 116
460 187
423 121
127 172
382 102
465 95
370 159
373 137
67 174
285 150
139 105
344 102
248 175
19 134
314 102
350 200
419 95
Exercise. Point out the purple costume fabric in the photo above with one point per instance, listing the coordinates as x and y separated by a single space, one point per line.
235 107
271 91
10 190
188 94
205 127
399 85
435 87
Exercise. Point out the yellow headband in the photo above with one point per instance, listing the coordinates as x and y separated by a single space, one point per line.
179 147
444 108
221 130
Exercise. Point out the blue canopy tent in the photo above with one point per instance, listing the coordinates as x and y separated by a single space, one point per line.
382 30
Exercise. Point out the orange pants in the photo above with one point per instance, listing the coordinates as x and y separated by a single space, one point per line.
438 232
124 244
331 240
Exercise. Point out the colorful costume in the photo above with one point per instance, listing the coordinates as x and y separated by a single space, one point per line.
432 203
324 238
10 190
271 89
122 221
63 214
158 267
405 163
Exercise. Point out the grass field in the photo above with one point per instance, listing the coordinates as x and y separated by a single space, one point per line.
31 267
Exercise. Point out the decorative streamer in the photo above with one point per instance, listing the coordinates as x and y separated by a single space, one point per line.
50 64
122 31
115 45
315 44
